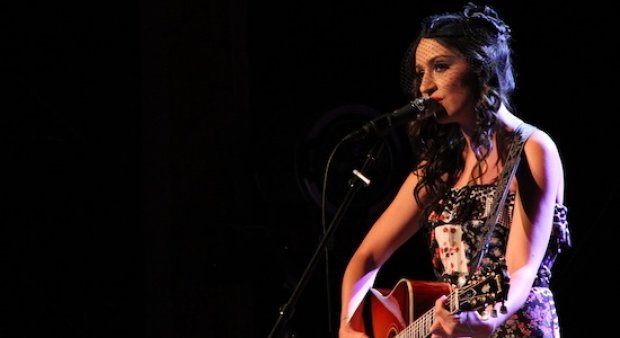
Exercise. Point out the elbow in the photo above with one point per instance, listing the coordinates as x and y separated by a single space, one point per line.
365 260
526 273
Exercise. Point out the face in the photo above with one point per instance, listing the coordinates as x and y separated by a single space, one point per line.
442 75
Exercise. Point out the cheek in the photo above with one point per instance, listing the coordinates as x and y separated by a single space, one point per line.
456 90
457 98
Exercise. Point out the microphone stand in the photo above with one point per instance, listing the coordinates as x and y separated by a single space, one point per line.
355 184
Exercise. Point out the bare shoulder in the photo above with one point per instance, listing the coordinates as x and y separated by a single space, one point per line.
545 164
540 144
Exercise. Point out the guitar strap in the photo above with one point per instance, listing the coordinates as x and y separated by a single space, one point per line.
522 132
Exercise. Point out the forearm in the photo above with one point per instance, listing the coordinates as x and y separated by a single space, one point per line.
358 278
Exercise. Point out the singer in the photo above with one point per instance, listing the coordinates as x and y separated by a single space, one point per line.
463 194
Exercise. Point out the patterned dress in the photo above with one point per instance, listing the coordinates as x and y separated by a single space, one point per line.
456 227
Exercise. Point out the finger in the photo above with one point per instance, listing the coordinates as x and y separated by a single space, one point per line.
440 303
436 330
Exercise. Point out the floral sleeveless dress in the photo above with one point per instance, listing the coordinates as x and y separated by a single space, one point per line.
456 227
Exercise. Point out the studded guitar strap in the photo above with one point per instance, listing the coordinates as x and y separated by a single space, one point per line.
522 132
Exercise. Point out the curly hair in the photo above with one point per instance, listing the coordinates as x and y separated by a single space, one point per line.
483 39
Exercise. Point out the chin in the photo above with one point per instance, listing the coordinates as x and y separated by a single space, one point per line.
442 116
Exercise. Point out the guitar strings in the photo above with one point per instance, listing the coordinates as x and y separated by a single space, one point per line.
422 325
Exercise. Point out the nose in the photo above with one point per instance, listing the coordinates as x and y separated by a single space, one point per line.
427 84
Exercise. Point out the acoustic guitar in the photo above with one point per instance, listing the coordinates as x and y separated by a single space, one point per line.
407 310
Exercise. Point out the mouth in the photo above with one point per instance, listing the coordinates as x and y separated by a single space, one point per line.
433 108
438 106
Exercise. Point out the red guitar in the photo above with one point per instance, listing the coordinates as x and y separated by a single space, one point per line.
407 309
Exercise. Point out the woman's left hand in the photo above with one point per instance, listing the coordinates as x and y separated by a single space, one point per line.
463 324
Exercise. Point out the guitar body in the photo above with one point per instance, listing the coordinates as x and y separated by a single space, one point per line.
384 313
407 310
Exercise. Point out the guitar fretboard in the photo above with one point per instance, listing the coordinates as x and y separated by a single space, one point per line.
421 327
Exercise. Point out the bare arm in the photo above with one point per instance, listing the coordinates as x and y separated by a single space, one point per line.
540 186
397 224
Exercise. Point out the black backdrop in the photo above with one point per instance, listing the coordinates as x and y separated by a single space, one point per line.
165 159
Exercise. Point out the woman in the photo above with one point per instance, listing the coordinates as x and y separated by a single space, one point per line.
462 61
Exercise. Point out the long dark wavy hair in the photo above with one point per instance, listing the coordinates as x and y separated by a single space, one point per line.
483 39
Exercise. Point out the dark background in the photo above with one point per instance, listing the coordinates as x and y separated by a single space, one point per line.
164 160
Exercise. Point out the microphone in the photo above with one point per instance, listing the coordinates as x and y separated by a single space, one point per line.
420 108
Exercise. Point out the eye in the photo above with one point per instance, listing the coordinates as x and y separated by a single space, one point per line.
440 66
